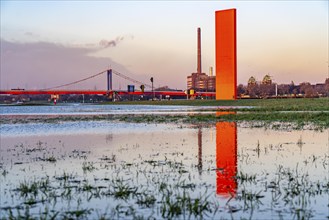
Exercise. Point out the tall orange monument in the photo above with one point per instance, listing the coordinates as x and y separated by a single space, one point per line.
226 65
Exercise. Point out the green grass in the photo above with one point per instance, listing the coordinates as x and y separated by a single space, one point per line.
27 188
300 104
290 104
300 111
167 194
320 120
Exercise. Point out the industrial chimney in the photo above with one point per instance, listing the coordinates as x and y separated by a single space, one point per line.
199 51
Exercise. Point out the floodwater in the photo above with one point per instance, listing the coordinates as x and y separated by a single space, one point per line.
116 170
90 109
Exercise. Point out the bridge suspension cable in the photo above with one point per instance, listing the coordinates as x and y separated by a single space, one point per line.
75 82
130 79
95 75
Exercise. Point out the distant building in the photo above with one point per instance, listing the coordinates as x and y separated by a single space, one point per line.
200 81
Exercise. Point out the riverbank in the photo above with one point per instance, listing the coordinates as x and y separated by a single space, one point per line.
301 104
297 104
299 112
290 120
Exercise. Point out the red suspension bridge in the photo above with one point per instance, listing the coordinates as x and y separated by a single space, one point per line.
58 90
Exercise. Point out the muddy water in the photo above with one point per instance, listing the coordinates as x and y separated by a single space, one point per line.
93 169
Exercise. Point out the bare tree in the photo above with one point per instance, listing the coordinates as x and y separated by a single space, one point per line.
327 86
253 90
283 89
307 89
241 90
267 90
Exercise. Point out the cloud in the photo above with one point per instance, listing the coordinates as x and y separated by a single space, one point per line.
102 44
28 33
41 64
112 43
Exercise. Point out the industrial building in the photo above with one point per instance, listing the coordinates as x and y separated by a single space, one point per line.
200 81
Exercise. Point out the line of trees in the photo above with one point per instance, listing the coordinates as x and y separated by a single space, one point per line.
263 90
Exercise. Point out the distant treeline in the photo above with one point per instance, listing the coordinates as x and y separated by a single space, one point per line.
262 90
252 90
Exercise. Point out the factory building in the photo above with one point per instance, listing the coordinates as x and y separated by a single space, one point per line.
200 81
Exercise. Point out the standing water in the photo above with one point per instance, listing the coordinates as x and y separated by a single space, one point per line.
116 170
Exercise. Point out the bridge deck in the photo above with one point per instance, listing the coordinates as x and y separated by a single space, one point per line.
99 92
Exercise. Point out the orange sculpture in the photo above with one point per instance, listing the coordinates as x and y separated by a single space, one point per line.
226 65
226 158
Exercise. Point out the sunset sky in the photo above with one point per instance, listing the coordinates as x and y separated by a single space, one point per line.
47 43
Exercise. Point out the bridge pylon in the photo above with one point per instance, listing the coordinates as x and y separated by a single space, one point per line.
109 80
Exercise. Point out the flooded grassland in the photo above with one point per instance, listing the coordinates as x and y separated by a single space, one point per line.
112 169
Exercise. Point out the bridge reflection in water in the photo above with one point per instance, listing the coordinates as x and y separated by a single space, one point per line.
226 156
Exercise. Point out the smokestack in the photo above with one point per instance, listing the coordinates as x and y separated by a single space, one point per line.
199 51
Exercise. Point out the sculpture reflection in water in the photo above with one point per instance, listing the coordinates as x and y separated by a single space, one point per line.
226 156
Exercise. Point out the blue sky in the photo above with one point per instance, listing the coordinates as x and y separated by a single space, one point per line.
286 39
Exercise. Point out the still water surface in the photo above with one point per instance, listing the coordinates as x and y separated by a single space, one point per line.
231 170
95 109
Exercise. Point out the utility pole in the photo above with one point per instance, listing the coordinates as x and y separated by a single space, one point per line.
152 89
